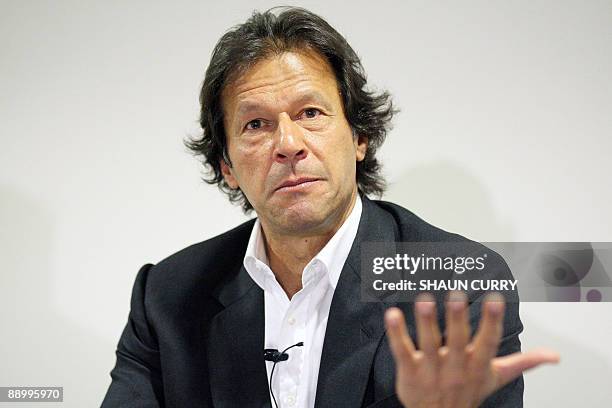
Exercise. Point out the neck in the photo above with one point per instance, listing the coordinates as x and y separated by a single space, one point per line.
289 254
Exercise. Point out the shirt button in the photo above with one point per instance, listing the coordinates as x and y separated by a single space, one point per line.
291 320
290 400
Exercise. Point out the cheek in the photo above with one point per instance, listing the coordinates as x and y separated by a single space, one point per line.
251 166
337 153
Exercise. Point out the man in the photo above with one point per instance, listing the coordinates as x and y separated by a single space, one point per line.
290 131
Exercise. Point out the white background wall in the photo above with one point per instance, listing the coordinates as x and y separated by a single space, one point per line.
505 134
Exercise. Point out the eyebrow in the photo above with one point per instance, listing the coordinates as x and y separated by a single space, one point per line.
310 96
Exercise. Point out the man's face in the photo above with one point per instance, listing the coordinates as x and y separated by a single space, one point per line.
292 150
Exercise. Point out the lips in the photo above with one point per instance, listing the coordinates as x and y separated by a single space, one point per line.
295 184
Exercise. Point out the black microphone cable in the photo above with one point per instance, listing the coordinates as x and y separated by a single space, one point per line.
276 356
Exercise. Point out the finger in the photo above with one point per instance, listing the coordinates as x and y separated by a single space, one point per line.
511 366
401 344
457 322
490 329
457 329
457 338
428 332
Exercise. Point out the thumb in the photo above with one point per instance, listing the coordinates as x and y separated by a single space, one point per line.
511 366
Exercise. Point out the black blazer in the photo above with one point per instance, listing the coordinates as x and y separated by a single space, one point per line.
195 332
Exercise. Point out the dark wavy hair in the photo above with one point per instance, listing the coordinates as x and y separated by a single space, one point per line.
272 32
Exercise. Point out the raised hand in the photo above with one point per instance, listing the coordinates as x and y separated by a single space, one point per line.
461 373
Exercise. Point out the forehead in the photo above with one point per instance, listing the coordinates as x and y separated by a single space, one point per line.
280 76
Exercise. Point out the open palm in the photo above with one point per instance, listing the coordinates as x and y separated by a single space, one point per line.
461 373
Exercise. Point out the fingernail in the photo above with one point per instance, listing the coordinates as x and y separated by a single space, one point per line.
392 318
495 297
455 306
456 296
425 308
553 356
456 300
424 297
495 307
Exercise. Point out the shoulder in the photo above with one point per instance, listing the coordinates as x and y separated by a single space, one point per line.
231 242
411 227
200 266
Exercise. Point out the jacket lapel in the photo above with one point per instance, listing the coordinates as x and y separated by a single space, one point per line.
235 348
355 327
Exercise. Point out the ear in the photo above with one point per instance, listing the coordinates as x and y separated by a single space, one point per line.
228 175
361 146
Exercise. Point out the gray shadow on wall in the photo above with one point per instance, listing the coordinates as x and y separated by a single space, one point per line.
38 346
450 197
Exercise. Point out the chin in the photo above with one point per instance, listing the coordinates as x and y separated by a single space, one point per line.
300 218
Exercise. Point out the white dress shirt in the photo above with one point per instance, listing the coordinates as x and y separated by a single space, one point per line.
304 317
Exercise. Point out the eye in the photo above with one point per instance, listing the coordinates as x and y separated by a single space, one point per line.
254 124
311 113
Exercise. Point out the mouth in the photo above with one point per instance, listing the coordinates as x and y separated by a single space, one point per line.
297 184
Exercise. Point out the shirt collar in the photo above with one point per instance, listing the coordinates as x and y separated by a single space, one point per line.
332 256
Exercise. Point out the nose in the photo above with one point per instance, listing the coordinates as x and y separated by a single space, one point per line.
290 145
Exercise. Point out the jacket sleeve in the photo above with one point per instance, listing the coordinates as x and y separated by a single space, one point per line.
136 377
